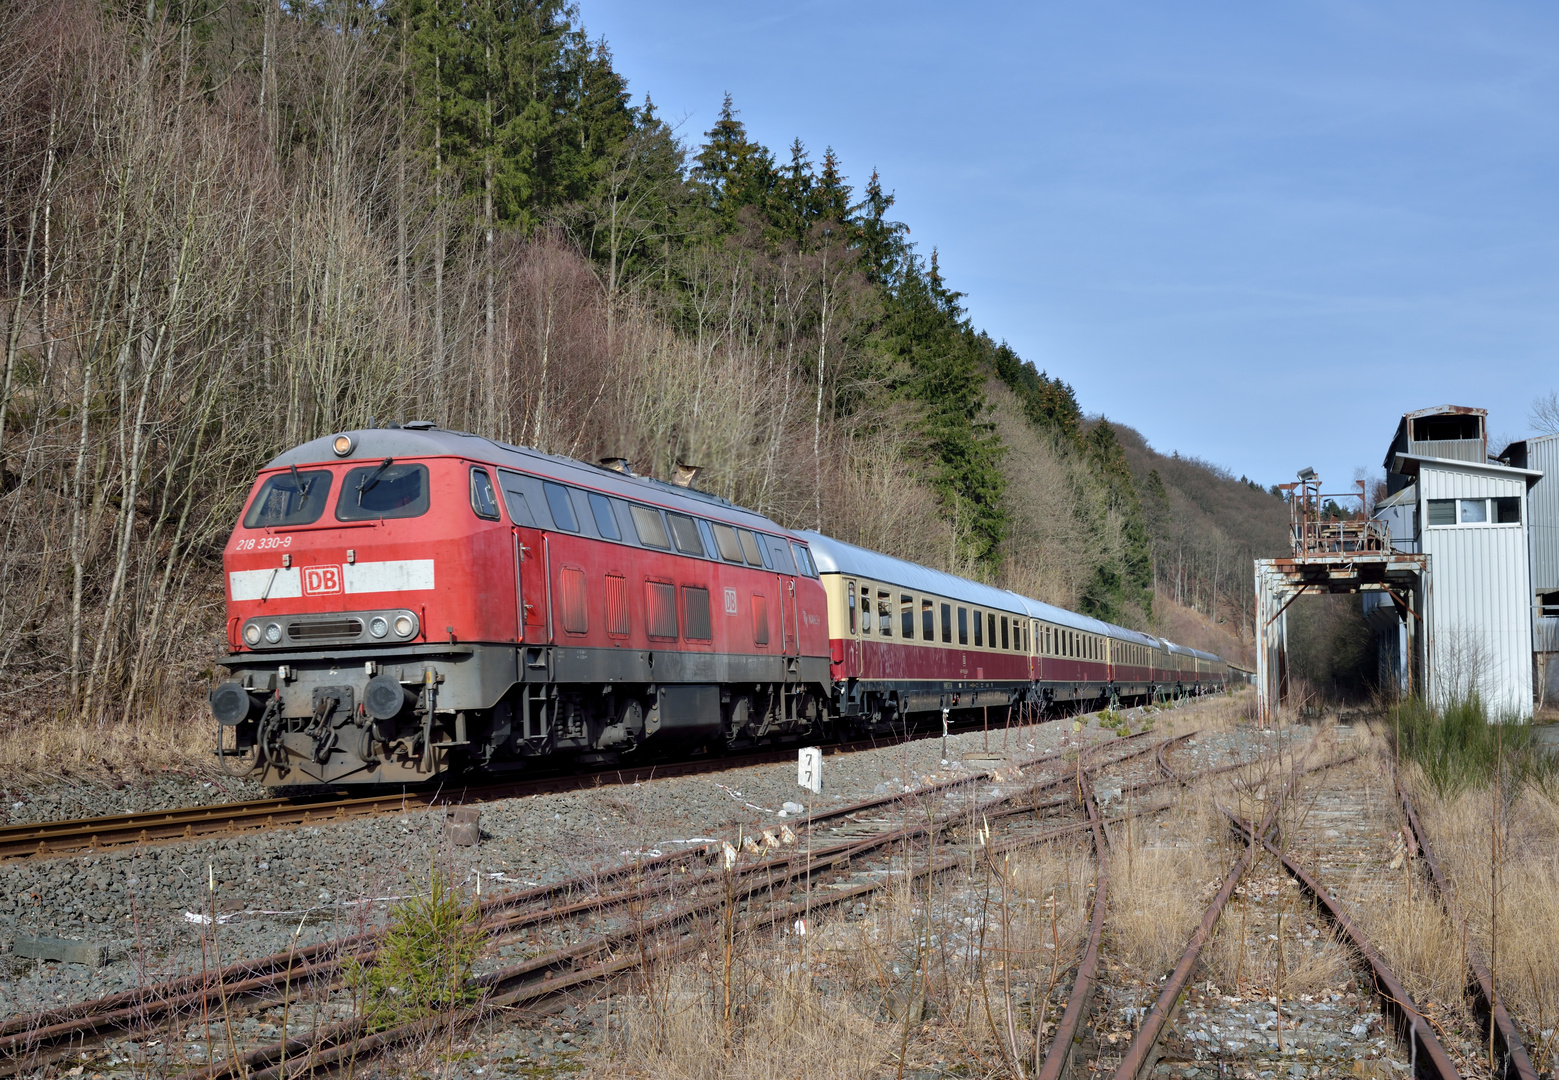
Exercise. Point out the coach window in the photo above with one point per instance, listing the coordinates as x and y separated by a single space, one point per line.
725 539
749 544
963 626
947 624
866 608
907 616
562 509
928 620
685 531
605 520
979 626
850 604
990 626
385 490
885 613
484 500
1005 637
651 530
289 498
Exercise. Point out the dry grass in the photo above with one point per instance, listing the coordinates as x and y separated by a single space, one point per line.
1519 934
76 750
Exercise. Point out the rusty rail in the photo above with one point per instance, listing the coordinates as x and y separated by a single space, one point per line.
1491 1013
1394 996
1058 1059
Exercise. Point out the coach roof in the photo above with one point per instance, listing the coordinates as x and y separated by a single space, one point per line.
374 444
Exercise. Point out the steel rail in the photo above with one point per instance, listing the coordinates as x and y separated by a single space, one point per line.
30 1034
1489 1009
1142 1054
1394 996
1058 1059
347 1041
50 839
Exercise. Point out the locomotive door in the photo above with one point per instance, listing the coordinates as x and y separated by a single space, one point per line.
790 634
530 578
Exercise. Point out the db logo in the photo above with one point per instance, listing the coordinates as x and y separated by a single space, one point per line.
321 579
730 602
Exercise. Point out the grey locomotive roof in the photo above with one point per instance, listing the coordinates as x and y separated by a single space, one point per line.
374 444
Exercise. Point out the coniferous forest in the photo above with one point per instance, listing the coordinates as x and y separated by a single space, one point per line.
234 225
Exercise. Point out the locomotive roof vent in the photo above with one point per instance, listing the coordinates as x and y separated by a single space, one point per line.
418 425
617 465
686 474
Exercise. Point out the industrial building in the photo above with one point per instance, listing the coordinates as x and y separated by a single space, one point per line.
1541 454
1469 514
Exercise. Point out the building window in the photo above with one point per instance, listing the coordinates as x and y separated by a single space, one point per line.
1442 511
1548 605
1472 511
1507 510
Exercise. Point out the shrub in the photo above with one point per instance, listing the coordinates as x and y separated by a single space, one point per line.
424 964
1457 747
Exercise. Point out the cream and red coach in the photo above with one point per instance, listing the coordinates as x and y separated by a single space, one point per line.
403 601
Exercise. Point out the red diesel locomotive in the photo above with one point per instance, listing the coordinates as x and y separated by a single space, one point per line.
406 601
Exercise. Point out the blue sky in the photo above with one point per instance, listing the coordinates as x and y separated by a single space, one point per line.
1256 233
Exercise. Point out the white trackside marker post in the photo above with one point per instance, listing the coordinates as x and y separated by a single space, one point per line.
809 775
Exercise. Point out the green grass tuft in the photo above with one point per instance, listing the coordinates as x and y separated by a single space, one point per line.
1458 747
424 965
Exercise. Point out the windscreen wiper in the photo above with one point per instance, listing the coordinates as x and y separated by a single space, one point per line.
300 487
372 478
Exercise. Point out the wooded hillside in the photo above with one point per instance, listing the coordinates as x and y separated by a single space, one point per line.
233 226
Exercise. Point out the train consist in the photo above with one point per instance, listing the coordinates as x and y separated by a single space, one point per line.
408 601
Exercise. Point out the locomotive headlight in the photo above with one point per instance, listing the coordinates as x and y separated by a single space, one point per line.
377 626
342 445
273 633
252 633
405 625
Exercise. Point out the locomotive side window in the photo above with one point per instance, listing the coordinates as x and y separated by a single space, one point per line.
760 619
928 620
605 520
885 613
947 624
963 626
979 629
685 531
483 499
750 547
514 499
695 613
776 547
651 529
617 605
660 606
804 560
385 490
561 506
725 539
289 498
907 616
576 609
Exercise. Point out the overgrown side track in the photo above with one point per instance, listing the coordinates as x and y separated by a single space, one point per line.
1490 1011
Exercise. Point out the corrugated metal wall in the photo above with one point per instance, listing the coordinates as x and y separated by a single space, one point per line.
1481 616
1543 507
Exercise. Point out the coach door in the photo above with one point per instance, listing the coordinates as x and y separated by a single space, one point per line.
852 641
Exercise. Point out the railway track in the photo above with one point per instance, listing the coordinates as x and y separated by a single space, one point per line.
60 838
1155 1039
666 892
